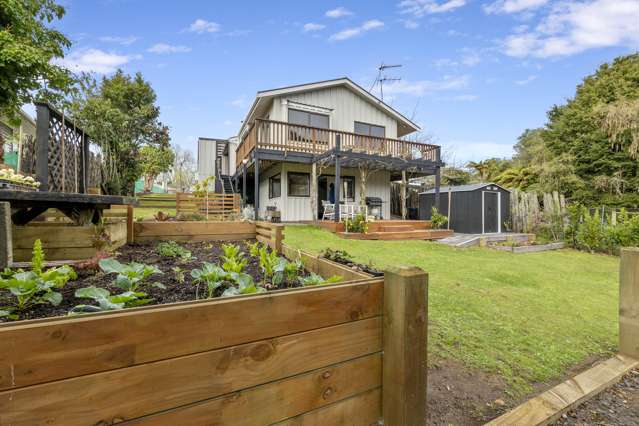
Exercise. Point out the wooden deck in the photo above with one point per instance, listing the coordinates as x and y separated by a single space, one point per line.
390 230
285 137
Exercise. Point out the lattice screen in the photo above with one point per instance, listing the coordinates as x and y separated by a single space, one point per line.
65 155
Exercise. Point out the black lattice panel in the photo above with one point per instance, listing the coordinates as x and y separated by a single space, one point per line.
55 154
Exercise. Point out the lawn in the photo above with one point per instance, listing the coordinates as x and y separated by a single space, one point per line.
527 317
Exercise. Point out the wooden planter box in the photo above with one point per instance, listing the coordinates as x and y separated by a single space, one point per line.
532 248
62 241
305 356
193 231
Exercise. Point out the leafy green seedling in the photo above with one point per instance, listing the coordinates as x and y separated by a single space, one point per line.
130 275
314 279
212 275
106 301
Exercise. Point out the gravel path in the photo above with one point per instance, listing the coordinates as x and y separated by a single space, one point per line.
617 406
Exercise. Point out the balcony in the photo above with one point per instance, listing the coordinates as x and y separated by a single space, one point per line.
285 137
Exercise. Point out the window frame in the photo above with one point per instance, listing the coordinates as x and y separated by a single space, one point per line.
288 183
270 186
308 124
370 127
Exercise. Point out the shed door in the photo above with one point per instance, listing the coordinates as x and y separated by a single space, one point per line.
491 211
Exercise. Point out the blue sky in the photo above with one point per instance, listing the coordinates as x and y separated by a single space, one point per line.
474 75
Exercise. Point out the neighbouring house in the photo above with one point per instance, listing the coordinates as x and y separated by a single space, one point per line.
216 157
325 142
13 136
478 208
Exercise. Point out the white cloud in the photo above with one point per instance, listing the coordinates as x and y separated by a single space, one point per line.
573 27
514 6
468 58
163 48
313 27
94 60
419 8
352 32
422 87
201 26
526 81
120 40
338 12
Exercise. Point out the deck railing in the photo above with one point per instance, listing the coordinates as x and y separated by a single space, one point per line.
286 137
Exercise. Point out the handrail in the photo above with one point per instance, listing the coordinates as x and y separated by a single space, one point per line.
287 137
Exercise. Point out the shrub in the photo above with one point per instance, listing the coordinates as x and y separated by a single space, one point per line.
438 220
590 234
357 224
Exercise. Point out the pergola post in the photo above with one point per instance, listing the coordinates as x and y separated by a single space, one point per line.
403 195
256 190
42 146
338 166
244 183
438 181
314 195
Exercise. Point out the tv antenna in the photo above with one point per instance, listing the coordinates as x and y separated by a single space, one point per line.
382 78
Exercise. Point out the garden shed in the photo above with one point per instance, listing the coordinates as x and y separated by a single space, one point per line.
478 208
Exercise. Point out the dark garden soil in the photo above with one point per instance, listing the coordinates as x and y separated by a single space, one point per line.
461 396
617 406
343 258
175 290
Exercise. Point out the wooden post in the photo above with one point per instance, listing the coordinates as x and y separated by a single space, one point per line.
6 239
405 332
130 231
277 236
629 303
402 195
314 195
338 170
438 180
256 190
42 146
244 183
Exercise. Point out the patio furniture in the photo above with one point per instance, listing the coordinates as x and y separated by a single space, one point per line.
329 210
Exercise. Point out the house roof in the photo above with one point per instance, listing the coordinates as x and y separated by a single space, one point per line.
464 188
405 125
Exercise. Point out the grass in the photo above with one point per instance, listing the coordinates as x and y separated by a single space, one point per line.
527 317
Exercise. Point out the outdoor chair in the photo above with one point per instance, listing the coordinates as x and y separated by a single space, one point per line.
329 210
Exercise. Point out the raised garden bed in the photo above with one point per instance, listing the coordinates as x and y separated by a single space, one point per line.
173 280
528 247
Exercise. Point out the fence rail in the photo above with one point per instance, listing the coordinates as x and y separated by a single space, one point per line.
286 137
219 205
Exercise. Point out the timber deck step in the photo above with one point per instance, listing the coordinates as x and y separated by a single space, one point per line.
397 228
398 235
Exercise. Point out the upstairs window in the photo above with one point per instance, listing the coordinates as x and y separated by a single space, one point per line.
305 118
366 129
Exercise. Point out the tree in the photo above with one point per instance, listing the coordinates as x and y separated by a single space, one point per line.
28 50
155 160
183 173
593 133
120 115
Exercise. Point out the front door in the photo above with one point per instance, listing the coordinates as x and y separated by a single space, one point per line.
325 191
491 212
